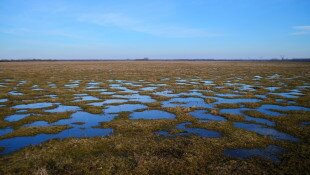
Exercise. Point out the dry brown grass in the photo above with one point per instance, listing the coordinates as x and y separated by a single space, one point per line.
134 148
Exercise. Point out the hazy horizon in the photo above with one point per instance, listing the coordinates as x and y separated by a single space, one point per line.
172 29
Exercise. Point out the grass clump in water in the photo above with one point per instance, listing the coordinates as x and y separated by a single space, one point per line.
30 131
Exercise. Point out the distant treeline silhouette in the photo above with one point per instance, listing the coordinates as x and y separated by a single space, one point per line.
147 59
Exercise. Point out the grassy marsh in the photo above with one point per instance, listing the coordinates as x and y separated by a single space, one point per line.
134 147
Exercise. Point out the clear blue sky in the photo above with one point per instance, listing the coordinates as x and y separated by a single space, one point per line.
93 29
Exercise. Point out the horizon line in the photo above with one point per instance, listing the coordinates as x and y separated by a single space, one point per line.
154 59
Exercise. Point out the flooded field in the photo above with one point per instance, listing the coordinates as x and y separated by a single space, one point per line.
155 117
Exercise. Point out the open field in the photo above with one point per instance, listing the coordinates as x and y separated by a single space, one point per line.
154 117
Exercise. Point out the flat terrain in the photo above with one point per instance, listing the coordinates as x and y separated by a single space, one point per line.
153 117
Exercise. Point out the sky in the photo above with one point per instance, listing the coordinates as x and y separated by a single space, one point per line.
156 29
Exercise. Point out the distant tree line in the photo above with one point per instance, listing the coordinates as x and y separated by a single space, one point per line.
147 59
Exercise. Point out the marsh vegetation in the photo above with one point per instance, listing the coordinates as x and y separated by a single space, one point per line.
154 117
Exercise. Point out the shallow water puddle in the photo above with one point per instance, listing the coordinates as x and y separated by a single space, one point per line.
107 93
291 94
270 153
15 93
169 93
186 102
88 119
227 95
272 88
220 100
93 85
181 81
84 97
73 84
82 125
16 117
22 82
37 124
36 88
166 93
303 87
13 144
246 87
33 105
192 93
259 120
152 114
240 86
151 88
261 96
109 101
63 108
96 90
132 83
257 78
124 89
6 130
239 111
52 96
3 100
202 115
268 109
305 124
158 85
208 82
265 131
79 119
124 108
52 85
136 98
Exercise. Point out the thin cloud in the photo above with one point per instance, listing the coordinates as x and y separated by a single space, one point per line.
22 32
15 31
124 22
301 30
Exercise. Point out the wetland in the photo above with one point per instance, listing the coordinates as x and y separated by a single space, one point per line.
154 117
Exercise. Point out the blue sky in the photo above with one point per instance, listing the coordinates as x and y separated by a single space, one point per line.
118 29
